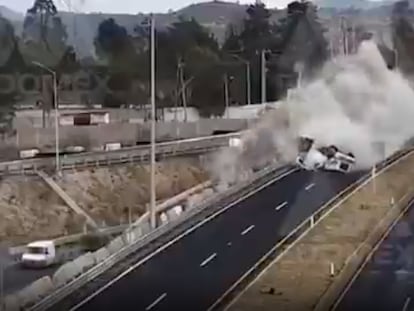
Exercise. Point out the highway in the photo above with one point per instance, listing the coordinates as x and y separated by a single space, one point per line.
15 277
193 272
386 282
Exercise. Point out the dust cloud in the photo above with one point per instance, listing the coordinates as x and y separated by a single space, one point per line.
356 103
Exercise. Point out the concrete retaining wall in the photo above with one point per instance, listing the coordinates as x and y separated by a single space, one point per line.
126 133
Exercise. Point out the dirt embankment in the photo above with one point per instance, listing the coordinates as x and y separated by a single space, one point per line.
301 276
109 195
30 210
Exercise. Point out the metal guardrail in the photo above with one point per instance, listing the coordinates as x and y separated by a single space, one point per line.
204 209
124 155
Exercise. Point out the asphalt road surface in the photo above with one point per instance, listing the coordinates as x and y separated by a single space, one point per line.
15 277
192 273
386 282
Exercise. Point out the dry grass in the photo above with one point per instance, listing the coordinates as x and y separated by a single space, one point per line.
302 275
108 194
30 210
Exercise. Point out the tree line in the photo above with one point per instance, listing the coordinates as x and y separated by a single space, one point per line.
192 68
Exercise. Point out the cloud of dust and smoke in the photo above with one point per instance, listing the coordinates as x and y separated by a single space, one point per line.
355 103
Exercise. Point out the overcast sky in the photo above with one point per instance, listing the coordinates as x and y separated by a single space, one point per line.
124 6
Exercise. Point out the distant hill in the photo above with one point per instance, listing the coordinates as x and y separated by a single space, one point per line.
356 4
10 14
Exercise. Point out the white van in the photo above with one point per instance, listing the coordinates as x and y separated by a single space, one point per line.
112 146
39 254
29 153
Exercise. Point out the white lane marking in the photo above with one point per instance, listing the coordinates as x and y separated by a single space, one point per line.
280 206
245 231
207 260
233 301
156 301
309 187
179 237
407 302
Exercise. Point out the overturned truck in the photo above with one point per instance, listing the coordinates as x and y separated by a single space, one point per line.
328 158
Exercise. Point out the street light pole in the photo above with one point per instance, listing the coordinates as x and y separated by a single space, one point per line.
226 94
248 77
153 192
55 99
263 62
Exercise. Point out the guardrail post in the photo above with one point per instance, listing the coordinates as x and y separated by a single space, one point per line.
332 269
312 221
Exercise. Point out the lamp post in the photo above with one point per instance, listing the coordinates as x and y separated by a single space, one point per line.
55 99
263 72
153 192
151 23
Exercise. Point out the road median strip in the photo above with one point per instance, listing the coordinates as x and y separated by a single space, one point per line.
299 277
363 253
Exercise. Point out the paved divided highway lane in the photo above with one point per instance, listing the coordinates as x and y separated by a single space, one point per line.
386 282
14 276
193 272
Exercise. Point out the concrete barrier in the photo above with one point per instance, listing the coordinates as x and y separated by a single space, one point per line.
101 254
85 261
208 192
115 245
146 227
178 209
172 214
355 261
193 200
11 303
163 218
64 274
34 291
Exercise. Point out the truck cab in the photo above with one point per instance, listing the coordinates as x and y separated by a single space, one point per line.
39 254
328 158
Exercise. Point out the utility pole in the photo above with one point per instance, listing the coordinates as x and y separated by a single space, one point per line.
249 84
153 192
177 81
263 63
183 92
226 93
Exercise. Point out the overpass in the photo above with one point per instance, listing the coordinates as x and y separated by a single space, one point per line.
185 147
